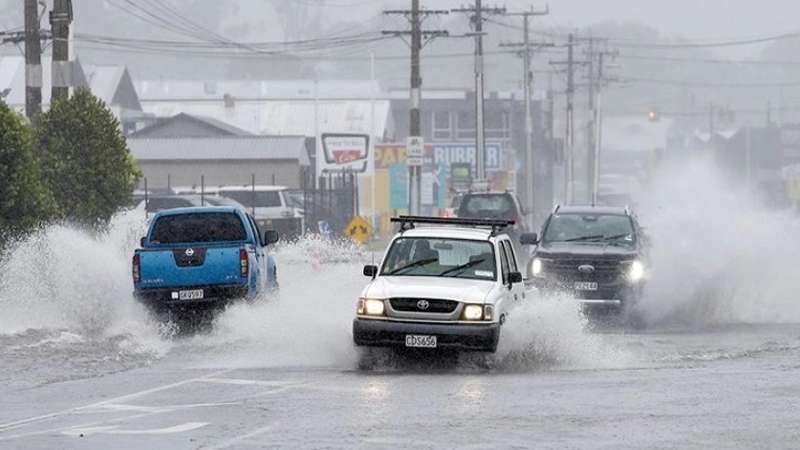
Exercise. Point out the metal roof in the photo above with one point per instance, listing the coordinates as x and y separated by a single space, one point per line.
256 89
104 81
220 148
222 127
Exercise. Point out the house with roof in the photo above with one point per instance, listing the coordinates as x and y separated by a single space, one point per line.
12 80
112 84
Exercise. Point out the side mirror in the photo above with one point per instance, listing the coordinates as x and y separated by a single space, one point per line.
515 277
142 241
370 271
270 237
529 239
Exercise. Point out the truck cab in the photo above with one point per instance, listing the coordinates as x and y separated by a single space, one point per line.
202 257
443 283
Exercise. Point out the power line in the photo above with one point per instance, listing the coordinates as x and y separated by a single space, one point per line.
701 84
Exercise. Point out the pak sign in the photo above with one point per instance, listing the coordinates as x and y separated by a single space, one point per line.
415 151
345 152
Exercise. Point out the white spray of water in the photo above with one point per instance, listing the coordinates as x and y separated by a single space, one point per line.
552 331
718 256
64 278
310 323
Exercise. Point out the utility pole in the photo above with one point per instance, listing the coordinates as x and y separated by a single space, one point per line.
569 133
480 140
597 133
415 16
591 125
33 61
569 140
527 54
60 19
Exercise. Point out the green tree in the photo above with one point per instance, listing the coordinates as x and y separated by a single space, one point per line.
24 199
85 159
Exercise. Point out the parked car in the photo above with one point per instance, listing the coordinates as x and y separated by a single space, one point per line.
271 206
449 286
202 257
156 203
596 254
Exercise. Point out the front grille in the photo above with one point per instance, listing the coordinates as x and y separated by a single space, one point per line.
413 305
605 271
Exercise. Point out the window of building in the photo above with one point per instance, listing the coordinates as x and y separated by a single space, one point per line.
442 126
498 125
466 125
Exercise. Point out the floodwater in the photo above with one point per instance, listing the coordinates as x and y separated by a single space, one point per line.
717 366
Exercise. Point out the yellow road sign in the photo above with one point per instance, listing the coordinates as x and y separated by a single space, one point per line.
359 229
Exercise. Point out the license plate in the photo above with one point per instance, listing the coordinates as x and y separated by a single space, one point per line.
420 341
194 294
585 286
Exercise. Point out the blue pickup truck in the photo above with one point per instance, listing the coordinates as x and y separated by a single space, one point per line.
200 257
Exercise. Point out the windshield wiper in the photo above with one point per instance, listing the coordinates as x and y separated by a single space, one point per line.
585 238
421 262
462 267
615 237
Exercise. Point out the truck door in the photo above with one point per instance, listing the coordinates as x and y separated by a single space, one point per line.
508 265
261 260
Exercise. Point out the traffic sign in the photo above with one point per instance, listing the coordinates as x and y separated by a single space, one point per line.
415 150
359 229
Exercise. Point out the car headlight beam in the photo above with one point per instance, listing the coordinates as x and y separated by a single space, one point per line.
636 271
537 267
473 312
371 307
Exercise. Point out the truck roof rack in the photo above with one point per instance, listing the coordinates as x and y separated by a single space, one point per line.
408 222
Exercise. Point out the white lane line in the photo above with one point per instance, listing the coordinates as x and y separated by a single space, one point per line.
241 438
114 429
244 382
19 423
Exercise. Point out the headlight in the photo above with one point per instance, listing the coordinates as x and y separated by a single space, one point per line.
370 307
536 268
636 272
473 312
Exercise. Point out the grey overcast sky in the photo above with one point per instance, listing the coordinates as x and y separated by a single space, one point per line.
691 18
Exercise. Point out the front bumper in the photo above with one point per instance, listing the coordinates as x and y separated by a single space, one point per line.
387 333
609 295
213 296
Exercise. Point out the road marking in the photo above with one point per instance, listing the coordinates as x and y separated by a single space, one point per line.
114 429
243 382
22 422
239 439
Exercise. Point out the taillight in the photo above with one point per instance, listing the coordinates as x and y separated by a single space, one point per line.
244 263
136 269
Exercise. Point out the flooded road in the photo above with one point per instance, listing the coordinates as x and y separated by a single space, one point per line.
84 366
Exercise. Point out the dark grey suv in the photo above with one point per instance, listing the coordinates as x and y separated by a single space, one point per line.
596 254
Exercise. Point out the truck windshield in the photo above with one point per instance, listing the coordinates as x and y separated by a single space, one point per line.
258 199
590 228
198 227
430 257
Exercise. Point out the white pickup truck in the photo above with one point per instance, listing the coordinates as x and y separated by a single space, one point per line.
443 283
